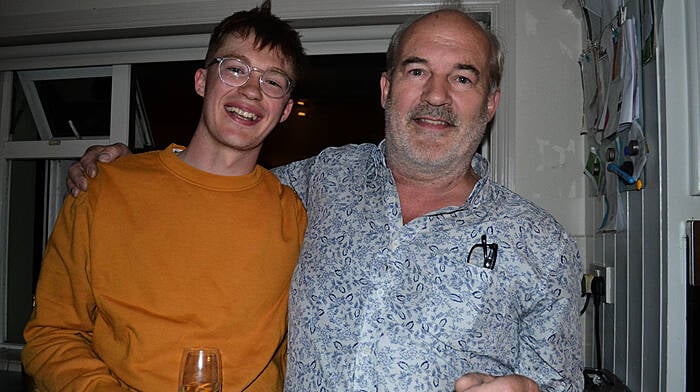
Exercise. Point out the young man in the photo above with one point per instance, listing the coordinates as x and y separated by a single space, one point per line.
182 247
416 268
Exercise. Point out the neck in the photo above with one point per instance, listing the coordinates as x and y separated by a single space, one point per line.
219 159
421 195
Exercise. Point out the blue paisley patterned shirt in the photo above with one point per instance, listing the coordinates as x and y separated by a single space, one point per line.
376 305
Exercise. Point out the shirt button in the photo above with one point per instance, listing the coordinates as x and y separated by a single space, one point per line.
394 245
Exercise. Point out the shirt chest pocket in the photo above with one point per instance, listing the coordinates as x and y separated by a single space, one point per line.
459 304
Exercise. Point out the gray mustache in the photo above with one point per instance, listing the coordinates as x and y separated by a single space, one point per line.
443 113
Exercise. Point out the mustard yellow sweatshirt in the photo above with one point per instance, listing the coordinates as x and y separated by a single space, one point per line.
157 256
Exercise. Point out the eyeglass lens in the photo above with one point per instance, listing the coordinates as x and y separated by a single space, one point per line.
236 73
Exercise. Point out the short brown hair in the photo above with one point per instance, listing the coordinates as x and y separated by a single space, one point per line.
269 30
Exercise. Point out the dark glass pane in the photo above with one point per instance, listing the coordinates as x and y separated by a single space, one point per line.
25 242
83 102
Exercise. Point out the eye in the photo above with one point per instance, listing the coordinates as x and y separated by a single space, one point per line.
272 83
416 72
275 80
463 80
236 70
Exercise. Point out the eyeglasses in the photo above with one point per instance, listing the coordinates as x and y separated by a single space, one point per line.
235 73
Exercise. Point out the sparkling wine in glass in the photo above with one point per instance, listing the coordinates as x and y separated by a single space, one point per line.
200 370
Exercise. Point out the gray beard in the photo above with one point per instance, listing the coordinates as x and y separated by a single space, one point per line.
400 152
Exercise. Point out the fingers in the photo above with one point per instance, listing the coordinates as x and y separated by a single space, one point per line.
470 380
112 152
76 181
485 383
104 154
79 172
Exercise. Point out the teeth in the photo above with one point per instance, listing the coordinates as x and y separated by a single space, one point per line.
434 122
242 113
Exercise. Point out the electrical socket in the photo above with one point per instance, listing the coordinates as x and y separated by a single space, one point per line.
609 284
608 275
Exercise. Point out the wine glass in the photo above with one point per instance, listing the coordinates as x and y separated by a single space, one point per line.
200 370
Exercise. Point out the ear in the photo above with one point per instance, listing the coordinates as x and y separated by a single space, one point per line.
287 110
200 81
385 86
493 99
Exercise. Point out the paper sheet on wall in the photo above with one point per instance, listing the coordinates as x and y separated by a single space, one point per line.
589 82
619 79
599 14
608 82
629 70
614 218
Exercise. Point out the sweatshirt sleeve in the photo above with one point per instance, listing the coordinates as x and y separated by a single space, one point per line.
58 354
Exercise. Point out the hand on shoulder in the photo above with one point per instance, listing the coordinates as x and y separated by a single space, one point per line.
81 171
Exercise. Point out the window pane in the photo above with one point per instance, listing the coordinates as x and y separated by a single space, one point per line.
82 104
25 242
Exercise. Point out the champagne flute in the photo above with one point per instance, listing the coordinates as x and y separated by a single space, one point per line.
200 370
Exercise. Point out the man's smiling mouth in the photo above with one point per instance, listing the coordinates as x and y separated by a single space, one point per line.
435 122
242 113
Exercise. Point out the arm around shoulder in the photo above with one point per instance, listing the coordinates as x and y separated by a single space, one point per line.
80 172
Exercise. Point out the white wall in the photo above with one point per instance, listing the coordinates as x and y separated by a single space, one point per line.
548 145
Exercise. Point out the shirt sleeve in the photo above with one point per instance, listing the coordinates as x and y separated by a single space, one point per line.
551 347
58 354
297 175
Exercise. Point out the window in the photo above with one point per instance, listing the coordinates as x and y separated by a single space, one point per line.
48 118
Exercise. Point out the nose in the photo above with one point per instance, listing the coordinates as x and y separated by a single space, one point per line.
436 90
251 88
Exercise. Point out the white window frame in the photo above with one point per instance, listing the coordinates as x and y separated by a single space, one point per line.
52 148
49 147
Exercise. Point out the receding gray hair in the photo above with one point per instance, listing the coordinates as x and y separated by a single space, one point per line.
496 53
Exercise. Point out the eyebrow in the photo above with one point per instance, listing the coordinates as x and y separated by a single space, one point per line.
470 68
460 66
247 61
413 60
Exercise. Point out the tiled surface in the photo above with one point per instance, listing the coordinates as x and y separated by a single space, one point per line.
10 359
11 377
